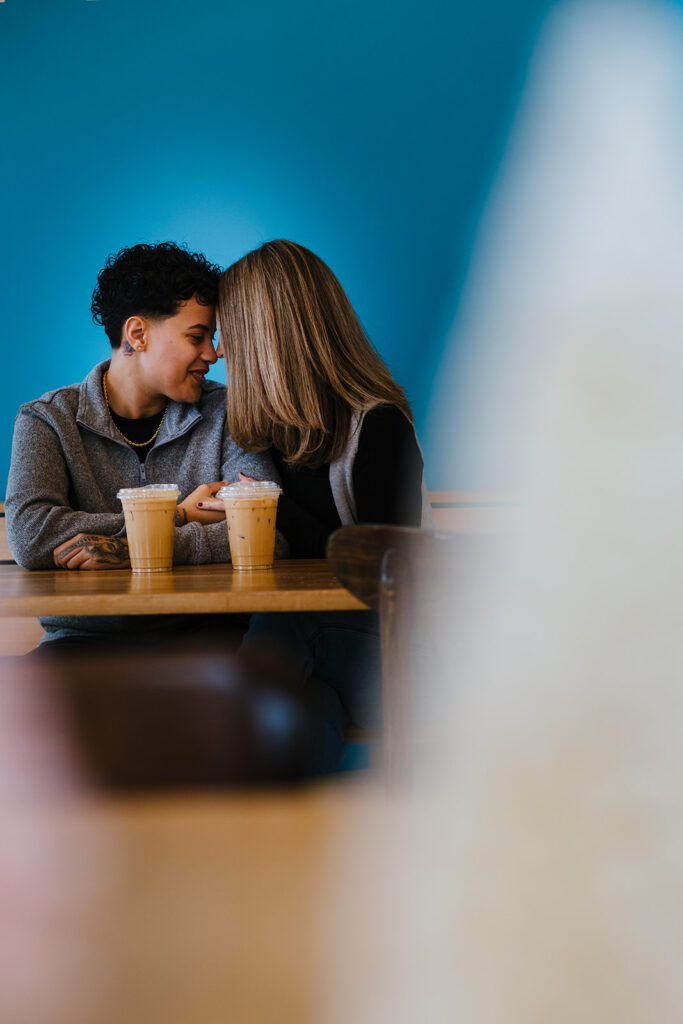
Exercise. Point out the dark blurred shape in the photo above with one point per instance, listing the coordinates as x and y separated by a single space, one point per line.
356 555
186 716
392 569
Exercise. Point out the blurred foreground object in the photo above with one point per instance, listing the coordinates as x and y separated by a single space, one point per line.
51 890
144 902
560 823
188 715
536 875
156 904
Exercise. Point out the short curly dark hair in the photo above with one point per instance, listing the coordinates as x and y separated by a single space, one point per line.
153 281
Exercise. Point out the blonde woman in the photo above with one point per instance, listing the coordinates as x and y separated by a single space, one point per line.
306 385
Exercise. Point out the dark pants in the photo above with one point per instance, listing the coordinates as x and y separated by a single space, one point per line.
218 630
336 657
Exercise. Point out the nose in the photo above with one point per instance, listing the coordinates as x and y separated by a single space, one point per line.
209 352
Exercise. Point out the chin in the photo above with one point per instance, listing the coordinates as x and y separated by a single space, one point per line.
189 394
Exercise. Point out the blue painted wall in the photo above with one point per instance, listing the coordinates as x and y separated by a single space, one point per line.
368 130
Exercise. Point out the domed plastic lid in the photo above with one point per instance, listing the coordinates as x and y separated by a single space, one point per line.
248 489
151 492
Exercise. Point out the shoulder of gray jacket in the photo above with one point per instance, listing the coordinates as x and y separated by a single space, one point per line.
60 400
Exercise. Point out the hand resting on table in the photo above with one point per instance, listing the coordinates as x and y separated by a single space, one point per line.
92 551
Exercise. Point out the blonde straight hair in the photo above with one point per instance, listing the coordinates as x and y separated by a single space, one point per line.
298 361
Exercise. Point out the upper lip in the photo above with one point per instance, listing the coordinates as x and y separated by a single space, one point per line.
202 372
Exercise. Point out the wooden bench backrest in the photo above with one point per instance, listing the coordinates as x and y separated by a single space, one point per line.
468 511
454 512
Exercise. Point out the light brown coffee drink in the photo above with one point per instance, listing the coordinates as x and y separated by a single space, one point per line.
150 525
250 511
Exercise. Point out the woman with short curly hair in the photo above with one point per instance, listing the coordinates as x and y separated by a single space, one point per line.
146 415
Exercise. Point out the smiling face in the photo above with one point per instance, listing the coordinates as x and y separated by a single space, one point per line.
178 352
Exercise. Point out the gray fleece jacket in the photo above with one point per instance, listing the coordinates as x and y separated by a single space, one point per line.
68 462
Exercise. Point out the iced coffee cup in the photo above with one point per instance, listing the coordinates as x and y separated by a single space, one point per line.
250 510
150 520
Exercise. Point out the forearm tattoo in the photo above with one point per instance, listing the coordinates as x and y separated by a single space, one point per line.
108 550
180 516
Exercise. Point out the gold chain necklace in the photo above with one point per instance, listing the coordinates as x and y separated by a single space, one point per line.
135 444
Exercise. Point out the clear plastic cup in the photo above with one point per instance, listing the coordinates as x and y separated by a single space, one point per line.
250 511
150 520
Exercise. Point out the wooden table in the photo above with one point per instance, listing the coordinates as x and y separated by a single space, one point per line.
292 585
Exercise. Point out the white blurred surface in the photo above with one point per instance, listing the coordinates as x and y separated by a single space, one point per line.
567 813
538 877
